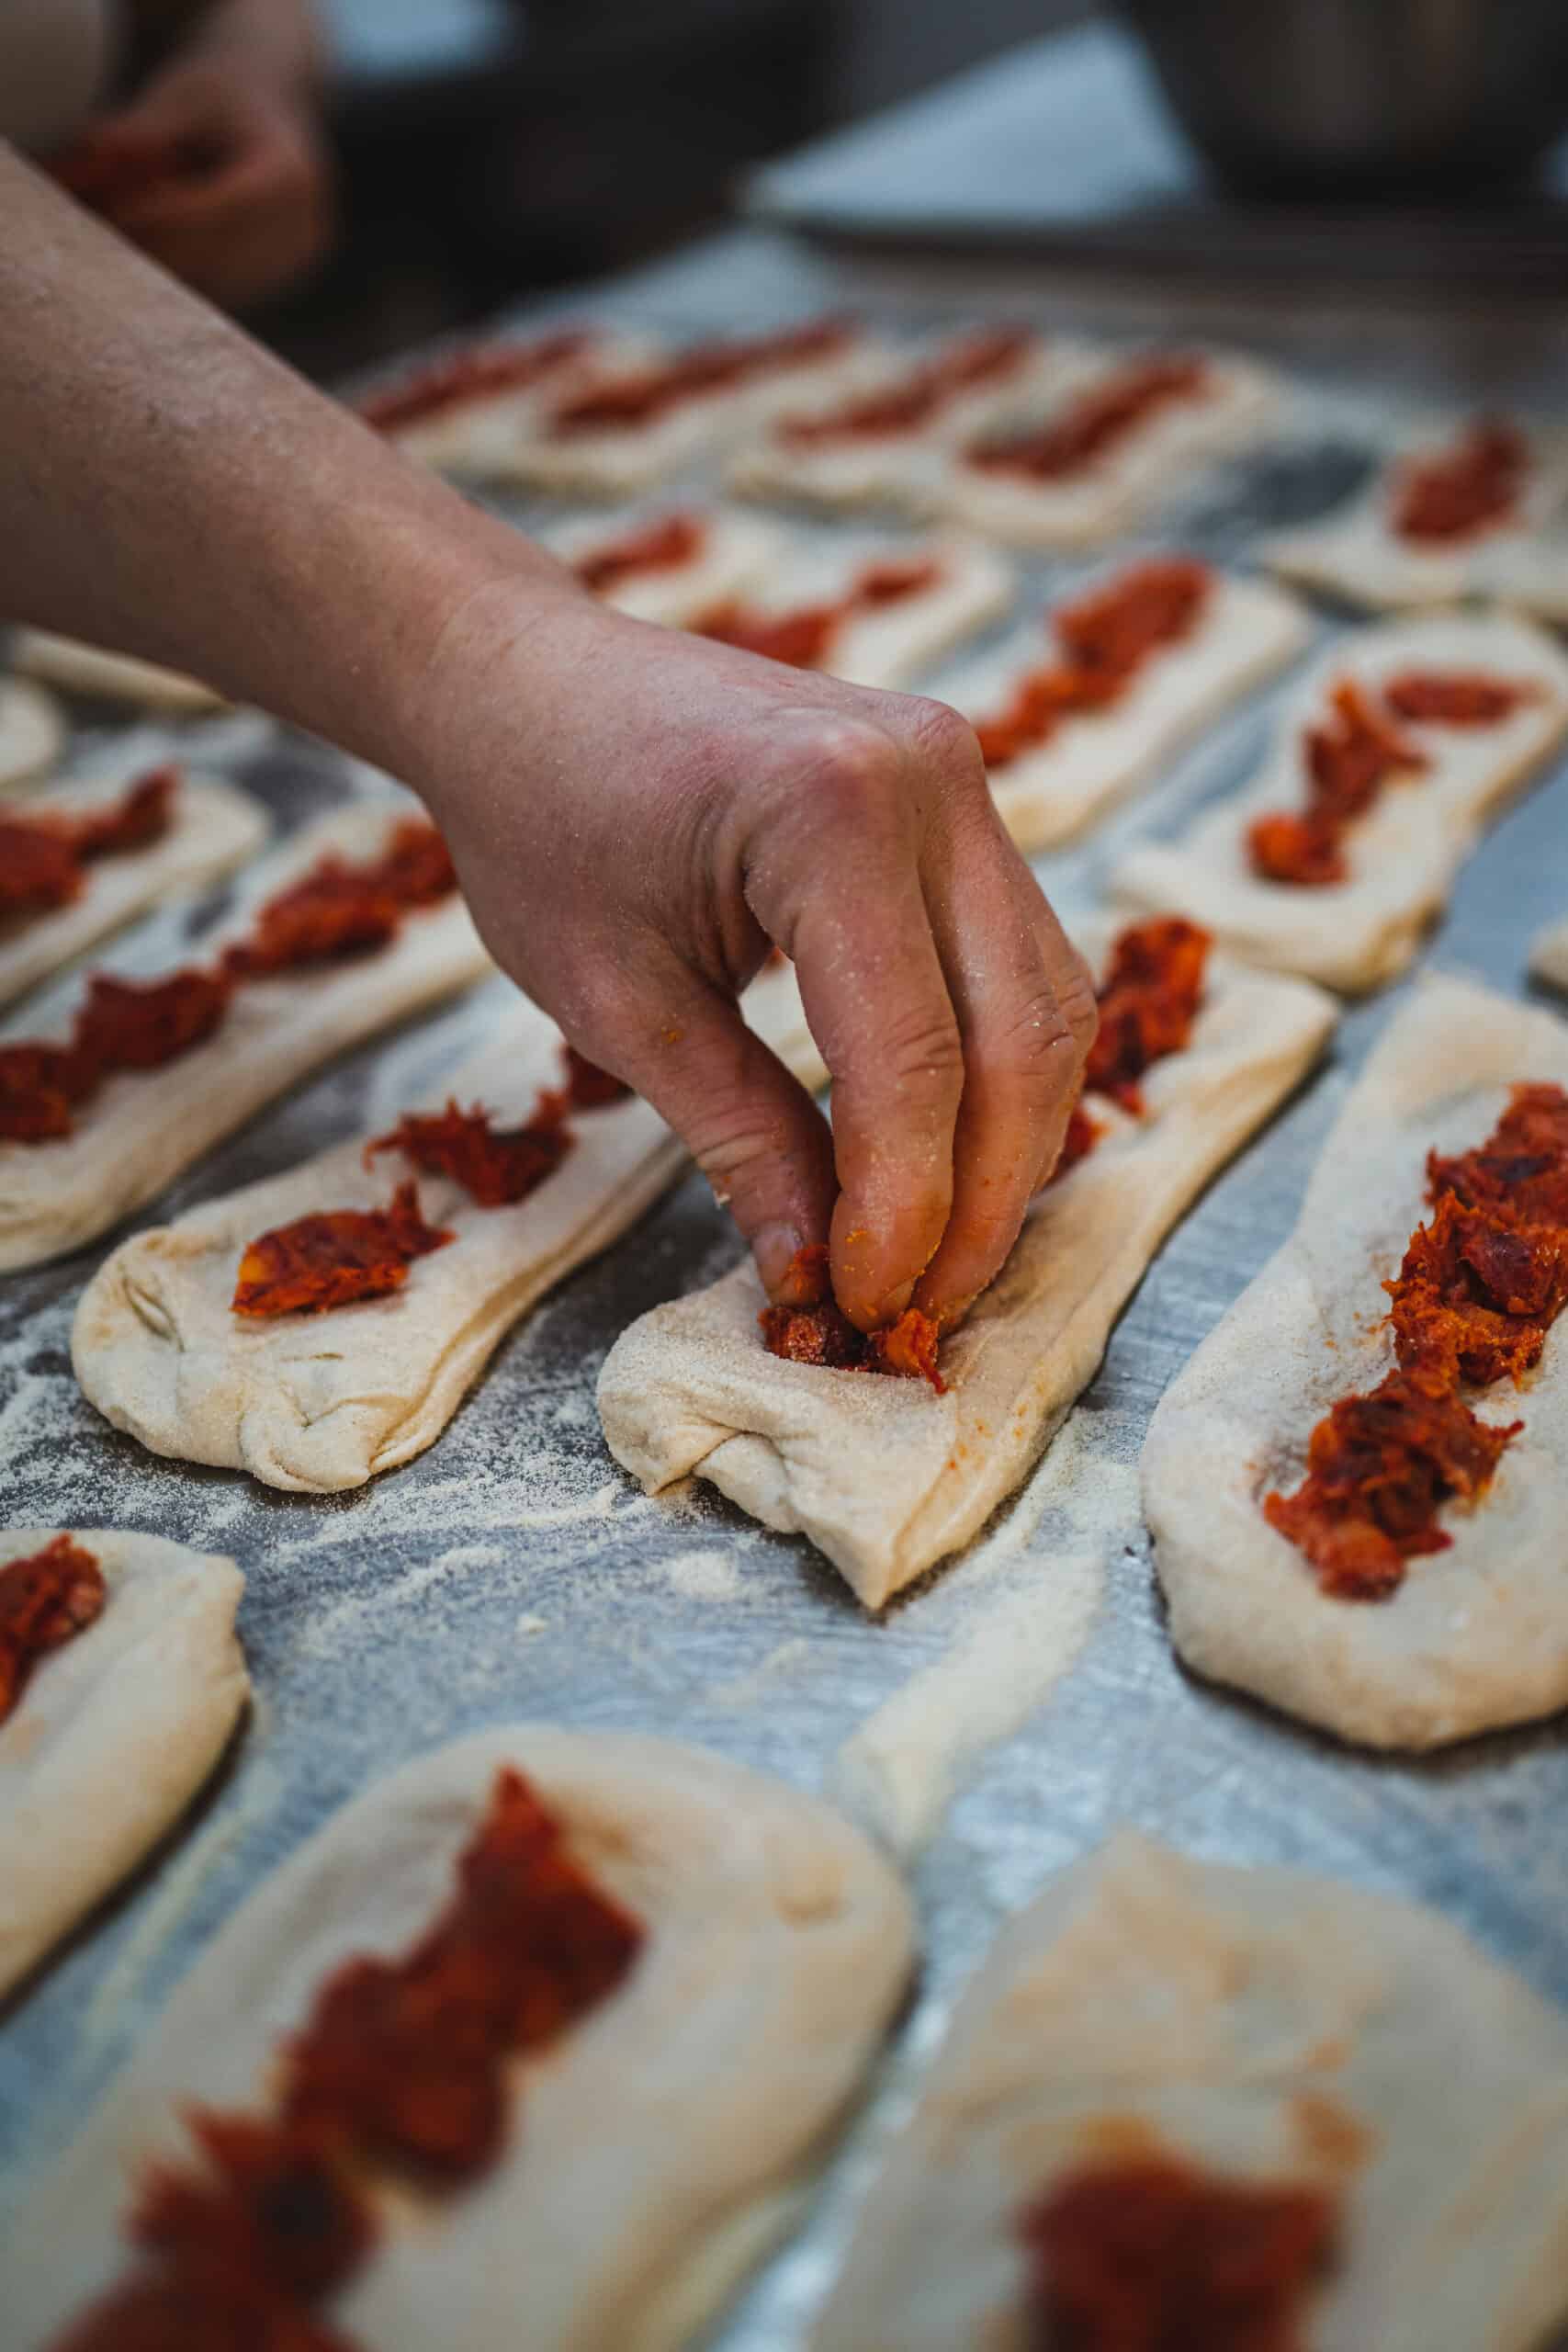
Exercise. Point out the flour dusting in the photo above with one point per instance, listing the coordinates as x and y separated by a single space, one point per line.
703 1576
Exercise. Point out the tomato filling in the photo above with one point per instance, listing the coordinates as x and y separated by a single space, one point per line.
494 1167
137 1025
41 858
1455 698
334 1257
1466 490
804 636
617 403
45 1599
1094 425
1351 756
663 545
918 396
1105 638
1152 2253
338 910
817 1332
401 2070
1148 1003
1481 1282
480 373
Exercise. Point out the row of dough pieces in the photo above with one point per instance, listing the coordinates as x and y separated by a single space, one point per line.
1269 2028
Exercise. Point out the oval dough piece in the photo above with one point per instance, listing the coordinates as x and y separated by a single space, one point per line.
656 2150
32 732
1475 1636
114 1733
79 669
736 551
1268 2025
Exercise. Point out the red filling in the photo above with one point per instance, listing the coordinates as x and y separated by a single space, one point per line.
819 1331
663 545
617 403
339 910
1349 758
1105 638
1455 698
1467 490
41 858
494 1167
1095 423
480 373
917 398
334 1257
45 1599
804 638
1148 1001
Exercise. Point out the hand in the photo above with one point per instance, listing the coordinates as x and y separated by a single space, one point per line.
219 175
666 808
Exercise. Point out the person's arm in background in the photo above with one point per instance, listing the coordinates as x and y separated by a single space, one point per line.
216 165
634 813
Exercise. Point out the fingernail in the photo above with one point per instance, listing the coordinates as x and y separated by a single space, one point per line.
776 1249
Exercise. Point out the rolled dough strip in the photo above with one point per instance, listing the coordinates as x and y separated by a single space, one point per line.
322 1402
79 669
888 646
1476 1635
1406 852
736 552
1248 630
1138 474
213 826
476 439
143 1128
1549 955
884 1475
1266 2025
32 732
659 2148
114 1733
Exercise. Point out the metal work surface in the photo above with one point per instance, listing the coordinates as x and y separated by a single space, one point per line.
514 1572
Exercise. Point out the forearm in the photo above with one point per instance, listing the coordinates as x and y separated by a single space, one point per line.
171 489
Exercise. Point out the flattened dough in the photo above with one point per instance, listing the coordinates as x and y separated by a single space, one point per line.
659 2148
1476 1635
213 826
326 1401
736 552
79 669
142 1129
477 440
1270 2025
892 644
1138 474
882 1474
1549 955
1406 854
1248 630
32 732
114 1733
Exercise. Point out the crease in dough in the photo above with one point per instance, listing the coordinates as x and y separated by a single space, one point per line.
1476 1636
1406 852
1261 2022
659 2148
323 1402
884 1475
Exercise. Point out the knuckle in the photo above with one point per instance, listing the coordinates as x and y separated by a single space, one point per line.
947 738
852 773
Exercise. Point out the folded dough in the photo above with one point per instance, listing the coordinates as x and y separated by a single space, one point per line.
114 1733
143 1128
660 2147
32 732
323 1402
1405 853
884 1475
79 669
1261 2023
213 826
1476 1635
736 552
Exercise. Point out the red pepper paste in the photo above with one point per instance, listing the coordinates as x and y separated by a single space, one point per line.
1148 1003
143 1025
45 1599
1455 698
589 1087
1094 423
663 545
401 2070
40 1087
1349 758
617 403
819 1331
334 1257
1467 490
1105 638
140 816
1152 2253
338 910
1481 1282
494 1167
804 636
41 858
917 398
416 866
480 373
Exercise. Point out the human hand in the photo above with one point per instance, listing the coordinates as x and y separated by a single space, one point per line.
668 807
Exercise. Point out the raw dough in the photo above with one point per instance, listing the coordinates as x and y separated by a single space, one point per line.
142 1129
32 732
213 826
1355 554
659 2149
738 552
1267 2024
114 1733
1248 630
1138 474
79 669
326 1401
1549 955
891 645
477 440
1408 852
1474 1637
885 1476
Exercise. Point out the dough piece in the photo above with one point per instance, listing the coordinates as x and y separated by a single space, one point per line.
476 439
32 732
1355 553
882 1474
1137 475
891 645
1476 1635
1248 630
659 2148
114 1733
1261 2023
143 1128
736 553
79 669
326 1401
1549 955
901 466
1406 852
213 826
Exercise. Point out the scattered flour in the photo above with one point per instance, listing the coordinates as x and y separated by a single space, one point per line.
703 1576
788 1658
